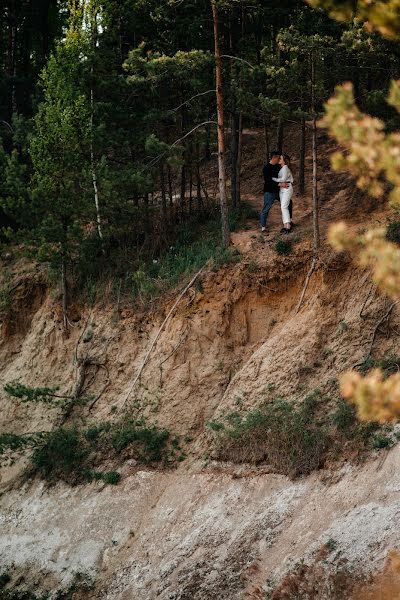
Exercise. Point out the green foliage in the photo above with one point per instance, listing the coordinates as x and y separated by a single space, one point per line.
151 439
4 579
295 439
389 363
283 247
72 455
29 394
344 417
380 441
285 436
111 477
93 433
382 15
186 257
108 477
331 544
393 232
11 441
61 456
5 297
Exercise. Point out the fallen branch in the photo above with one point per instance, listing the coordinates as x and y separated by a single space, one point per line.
310 272
154 342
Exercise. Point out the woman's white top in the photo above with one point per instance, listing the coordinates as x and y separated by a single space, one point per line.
284 175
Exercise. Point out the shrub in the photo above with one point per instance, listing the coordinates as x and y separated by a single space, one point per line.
111 477
345 420
61 456
285 436
389 363
393 232
93 433
283 247
294 439
186 257
11 441
151 439
379 441
4 579
29 394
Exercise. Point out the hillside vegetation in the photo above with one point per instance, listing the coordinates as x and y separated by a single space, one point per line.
192 407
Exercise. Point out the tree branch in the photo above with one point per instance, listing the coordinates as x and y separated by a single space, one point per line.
239 59
160 156
192 98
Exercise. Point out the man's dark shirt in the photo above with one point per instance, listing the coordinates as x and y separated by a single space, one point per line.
270 171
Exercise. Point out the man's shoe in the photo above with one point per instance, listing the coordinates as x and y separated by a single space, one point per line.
287 231
263 229
283 230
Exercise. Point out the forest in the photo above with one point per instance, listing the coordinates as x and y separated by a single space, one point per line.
195 403
109 120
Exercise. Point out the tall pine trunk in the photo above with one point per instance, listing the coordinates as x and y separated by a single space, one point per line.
93 167
279 136
92 161
266 139
64 291
163 195
239 159
302 155
234 156
316 236
221 133
12 56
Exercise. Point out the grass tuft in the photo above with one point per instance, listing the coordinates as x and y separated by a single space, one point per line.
283 247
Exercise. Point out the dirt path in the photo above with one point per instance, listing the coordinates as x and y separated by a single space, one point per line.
333 192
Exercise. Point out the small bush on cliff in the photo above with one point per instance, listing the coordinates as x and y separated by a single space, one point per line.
72 455
61 456
151 440
283 247
283 435
393 232
295 439
389 363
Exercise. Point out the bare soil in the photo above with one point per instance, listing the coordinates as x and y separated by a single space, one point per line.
205 530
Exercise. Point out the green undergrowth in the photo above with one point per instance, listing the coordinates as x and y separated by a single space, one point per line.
76 456
144 281
283 247
389 364
393 232
295 438
238 218
152 280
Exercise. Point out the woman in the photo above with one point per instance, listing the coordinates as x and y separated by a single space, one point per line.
285 194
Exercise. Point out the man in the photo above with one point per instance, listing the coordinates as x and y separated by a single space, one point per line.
271 188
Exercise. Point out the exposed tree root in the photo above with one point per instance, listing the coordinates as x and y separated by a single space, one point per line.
154 342
310 272
381 320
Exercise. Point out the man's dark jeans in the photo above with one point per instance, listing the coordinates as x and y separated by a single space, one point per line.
269 199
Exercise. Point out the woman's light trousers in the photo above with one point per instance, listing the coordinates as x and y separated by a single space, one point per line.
285 195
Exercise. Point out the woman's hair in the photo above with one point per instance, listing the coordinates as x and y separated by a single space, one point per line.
286 158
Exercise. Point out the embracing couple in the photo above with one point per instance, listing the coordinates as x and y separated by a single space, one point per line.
278 183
